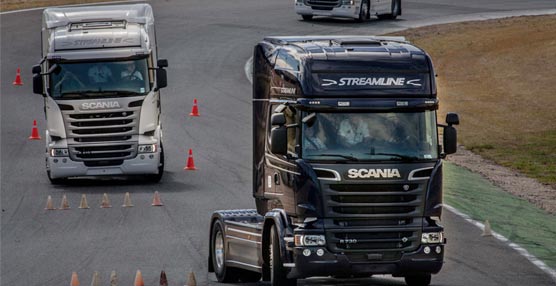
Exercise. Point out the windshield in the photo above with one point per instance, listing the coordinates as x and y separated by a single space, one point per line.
371 136
100 79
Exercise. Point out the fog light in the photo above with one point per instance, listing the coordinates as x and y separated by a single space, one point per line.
64 160
55 160
320 252
427 250
306 252
142 157
438 249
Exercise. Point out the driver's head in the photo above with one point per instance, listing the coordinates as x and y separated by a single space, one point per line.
130 66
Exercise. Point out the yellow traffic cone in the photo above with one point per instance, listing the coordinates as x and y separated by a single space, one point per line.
83 204
487 231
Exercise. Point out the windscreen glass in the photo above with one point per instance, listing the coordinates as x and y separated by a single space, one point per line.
100 79
405 136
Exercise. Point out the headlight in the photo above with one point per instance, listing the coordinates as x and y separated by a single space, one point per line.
310 240
432 237
151 148
56 152
348 2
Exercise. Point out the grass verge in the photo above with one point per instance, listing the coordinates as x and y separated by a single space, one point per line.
499 76
516 219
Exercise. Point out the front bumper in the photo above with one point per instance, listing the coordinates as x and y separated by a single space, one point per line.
333 264
344 11
64 167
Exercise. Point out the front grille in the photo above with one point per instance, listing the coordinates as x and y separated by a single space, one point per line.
102 138
381 219
103 152
323 4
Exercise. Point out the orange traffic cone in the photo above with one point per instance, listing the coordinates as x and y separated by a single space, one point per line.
105 201
127 201
17 80
35 132
156 200
113 278
191 281
139 279
163 280
195 109
83 204
74 279
190 163
64 205
49 205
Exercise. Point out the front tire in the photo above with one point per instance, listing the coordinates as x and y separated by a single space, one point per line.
157 177
364 11
418 280
278 274
56 181
395 11
307 17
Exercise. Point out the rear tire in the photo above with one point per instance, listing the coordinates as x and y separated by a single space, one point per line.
364 11
418 280
223 273
307 17
278 274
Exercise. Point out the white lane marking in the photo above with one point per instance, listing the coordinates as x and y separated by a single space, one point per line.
249 70
537 262
71 5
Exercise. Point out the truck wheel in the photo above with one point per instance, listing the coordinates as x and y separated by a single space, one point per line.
418 280
396 10
223 273
157 177
307 17
277 271
364 11
56 181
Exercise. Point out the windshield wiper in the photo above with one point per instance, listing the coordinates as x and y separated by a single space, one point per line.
337 155
400 156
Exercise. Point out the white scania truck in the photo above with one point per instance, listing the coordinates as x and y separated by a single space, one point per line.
100 77
360 10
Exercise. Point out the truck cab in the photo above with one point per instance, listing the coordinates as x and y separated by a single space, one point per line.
100 76
347 164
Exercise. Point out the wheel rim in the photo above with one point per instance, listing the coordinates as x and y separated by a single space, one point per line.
219 250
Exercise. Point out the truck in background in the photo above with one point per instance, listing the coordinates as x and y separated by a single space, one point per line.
100 76
360 10
347 167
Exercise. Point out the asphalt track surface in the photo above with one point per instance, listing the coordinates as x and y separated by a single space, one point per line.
207 44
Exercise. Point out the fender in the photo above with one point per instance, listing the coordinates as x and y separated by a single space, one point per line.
433 205
279 218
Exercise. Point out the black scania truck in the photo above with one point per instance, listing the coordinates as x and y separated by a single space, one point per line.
347 167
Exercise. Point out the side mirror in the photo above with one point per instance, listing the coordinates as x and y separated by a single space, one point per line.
161 78
38 85
279 140
450 140
452 118
162 63
37 69
278 119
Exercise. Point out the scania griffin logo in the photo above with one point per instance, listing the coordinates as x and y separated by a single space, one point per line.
373 173
371 81
100 105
